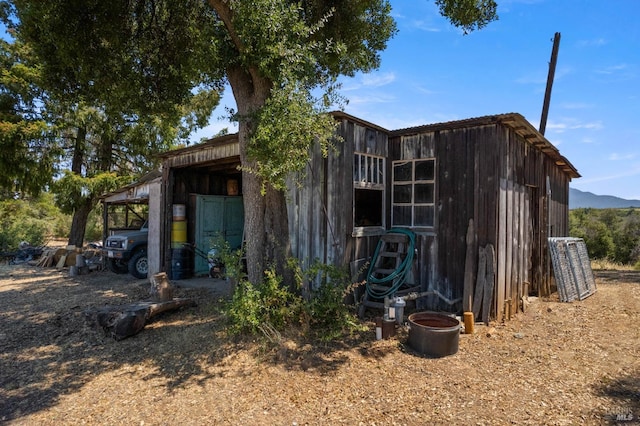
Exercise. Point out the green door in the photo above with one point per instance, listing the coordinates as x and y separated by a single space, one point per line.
216 215
233 221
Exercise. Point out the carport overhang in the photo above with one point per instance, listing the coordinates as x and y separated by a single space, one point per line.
220 155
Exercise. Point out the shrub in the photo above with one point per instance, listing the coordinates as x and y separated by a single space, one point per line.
34 220
610 234
271 305
326 313
231 259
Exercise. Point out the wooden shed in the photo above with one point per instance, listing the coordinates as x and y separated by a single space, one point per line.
503 174
497 171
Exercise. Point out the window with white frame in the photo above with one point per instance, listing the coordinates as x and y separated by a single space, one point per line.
413 193
368 190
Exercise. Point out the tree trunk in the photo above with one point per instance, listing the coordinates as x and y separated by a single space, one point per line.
79 223
266 224
81 213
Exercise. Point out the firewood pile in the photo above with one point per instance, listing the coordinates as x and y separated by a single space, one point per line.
85 259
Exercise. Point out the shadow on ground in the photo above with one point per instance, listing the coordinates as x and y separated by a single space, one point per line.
618 276
47 350
625 392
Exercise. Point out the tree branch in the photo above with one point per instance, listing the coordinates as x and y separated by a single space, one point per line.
248 74
224 12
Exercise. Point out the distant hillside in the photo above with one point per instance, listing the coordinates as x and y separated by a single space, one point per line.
580 199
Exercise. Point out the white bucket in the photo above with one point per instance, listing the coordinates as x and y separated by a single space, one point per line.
179 212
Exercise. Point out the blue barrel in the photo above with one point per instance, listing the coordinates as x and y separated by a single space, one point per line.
181 266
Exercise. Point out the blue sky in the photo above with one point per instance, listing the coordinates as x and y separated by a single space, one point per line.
432 73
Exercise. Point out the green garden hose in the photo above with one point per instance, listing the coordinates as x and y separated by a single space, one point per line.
397 278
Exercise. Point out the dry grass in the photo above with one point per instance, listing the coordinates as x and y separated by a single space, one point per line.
558 363
604 265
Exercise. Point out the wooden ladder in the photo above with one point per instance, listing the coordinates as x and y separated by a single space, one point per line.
392 252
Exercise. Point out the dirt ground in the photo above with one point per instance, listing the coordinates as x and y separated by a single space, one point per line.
556 364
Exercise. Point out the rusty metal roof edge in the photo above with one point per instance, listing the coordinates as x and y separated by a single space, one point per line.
512 120
232 138
343 115
449 125
533 135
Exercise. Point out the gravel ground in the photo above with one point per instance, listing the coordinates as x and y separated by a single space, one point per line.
555 364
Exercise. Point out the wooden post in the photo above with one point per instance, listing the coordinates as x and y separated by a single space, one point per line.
550 76
481 281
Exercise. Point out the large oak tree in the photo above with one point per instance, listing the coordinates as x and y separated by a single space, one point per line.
275 54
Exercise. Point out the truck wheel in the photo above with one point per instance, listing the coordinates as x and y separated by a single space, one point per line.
139 265
117 266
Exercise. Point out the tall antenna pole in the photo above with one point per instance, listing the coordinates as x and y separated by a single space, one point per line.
547 93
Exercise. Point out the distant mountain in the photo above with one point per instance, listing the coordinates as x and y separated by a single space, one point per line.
580 199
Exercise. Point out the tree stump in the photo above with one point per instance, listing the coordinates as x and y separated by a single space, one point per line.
161 289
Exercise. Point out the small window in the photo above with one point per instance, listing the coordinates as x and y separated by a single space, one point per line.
368 170
413 195
368 210
368 190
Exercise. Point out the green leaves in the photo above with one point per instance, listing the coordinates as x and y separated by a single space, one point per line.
140 57
72 189
32 220
268 302
611 234
470 15
28 159
287 126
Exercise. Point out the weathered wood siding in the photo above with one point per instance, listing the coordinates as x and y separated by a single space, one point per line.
320 208
497 170
491 174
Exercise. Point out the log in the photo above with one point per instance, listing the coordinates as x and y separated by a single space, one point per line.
469 263
125 321
480 282
487 299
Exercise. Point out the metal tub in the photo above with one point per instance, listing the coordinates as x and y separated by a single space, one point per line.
432 334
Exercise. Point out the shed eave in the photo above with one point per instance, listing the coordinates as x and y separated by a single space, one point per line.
136 192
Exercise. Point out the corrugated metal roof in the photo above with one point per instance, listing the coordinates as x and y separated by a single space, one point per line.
342 114
135 192
222 152
209 143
